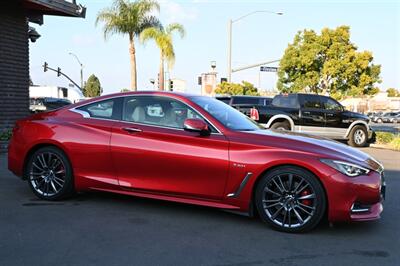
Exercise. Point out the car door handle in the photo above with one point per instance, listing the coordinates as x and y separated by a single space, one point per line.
306 113
132 129
330 114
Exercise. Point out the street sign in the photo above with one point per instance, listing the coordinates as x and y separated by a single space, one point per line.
268 69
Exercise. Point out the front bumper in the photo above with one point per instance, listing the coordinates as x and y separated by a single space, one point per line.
356 198
371 136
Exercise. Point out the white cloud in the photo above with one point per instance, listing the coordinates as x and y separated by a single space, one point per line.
176 12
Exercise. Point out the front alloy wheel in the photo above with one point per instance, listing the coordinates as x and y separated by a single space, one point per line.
358 136
49 174
290 199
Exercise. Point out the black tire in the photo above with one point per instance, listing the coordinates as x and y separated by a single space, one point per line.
281 126
358 136
318 203
49 174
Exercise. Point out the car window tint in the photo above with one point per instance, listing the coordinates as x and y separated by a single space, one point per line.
102 109
158 111
288 101
330 104
312 101
245 100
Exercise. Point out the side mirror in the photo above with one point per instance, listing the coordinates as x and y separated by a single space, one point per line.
196 125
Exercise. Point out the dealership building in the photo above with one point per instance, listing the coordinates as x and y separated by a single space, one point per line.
15 35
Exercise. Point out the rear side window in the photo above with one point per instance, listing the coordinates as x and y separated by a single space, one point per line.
103 109
312 102
287 101
246 100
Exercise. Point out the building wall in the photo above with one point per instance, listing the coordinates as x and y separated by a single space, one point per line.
14 64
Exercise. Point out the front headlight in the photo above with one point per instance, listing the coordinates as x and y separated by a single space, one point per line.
346 168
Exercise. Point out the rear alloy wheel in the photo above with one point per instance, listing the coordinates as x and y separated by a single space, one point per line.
290 199
358 136
49 174
280 126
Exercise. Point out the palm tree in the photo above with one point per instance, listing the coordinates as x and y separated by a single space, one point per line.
125 17
163 39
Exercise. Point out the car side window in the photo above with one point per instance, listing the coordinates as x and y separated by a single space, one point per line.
103 109
288 101
312 102
158 111
331 105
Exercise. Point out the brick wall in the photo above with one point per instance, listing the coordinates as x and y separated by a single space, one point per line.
14 64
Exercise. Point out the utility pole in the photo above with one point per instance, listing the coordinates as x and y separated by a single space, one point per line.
81 65
230 50
230 23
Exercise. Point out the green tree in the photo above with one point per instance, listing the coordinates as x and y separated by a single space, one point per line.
228 88
131 18
163 39
92 87
328 62
392 92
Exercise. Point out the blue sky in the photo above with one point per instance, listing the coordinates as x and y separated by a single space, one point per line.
375 26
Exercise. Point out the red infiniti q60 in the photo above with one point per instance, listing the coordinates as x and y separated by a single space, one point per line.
197 150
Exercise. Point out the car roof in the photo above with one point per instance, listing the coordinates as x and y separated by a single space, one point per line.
178 95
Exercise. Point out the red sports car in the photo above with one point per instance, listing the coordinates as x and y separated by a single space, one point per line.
197 150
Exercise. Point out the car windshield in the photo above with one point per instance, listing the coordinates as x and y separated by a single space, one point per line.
228 116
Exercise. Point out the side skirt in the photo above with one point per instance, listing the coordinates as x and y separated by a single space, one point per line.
171 198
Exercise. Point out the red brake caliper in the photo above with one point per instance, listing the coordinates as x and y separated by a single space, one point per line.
305 201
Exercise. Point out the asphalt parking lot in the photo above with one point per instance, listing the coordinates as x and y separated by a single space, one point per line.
105 229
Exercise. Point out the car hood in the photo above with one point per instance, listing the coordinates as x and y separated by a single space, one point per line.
321 147
355 115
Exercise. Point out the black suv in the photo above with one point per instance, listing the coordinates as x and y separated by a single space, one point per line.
314 114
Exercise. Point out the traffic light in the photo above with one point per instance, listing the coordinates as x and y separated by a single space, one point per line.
171 85
58 71
199 80
45 66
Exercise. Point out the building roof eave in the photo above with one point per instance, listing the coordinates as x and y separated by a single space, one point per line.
55 7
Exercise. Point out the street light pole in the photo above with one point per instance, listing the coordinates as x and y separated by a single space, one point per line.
77 59
230 23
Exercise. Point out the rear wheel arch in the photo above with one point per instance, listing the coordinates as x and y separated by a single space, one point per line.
253 208
281 119
38 146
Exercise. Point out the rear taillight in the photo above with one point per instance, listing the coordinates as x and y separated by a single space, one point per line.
254 114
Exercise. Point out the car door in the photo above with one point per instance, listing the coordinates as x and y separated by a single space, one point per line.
312 114
91 131
336 124
152 152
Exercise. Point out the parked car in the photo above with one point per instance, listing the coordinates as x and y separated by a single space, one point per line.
196 150
314 114
43 104
246 104
375 116
371 115
389 117
396 118
381 117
